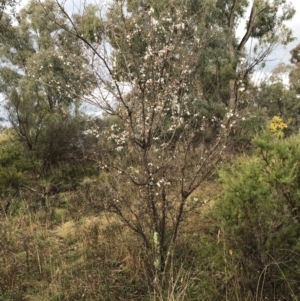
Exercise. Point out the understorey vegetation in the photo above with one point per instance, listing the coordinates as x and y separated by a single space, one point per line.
185 183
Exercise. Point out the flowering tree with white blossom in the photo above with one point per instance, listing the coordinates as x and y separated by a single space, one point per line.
167 73
168 78
167 138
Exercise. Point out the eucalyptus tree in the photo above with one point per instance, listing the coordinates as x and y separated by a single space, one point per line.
40 63
264 27
295 72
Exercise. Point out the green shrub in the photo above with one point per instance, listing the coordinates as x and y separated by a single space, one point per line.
259 211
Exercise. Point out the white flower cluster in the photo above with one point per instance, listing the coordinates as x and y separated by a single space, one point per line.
163 182
118 136
92 131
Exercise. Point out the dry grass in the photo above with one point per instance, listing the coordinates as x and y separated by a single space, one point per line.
60 258
72 252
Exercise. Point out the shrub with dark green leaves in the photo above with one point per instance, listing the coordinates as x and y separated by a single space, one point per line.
259 210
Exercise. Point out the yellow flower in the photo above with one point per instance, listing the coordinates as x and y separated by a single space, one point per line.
277 125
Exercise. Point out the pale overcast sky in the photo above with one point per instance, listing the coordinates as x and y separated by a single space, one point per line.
282 54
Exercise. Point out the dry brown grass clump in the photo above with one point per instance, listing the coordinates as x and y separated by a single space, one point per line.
60 258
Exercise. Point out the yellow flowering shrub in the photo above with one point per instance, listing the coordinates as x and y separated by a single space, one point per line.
277 125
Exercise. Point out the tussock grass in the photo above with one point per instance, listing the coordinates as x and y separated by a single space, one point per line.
62 256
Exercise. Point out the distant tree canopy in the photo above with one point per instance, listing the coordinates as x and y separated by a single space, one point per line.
42 78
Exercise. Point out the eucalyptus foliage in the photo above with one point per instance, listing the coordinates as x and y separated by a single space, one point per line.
43 77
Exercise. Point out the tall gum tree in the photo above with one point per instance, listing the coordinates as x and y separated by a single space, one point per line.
265 24
40 65
295 72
